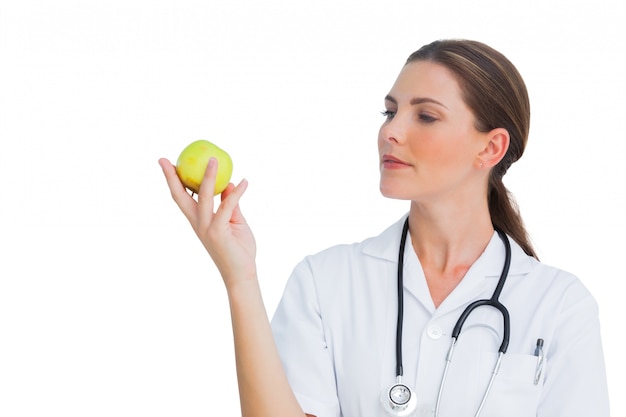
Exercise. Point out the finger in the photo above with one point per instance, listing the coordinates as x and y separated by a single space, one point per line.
237 216
229 188
179 193
229 209
206 192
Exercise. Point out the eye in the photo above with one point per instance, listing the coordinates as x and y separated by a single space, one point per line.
388 114
426 118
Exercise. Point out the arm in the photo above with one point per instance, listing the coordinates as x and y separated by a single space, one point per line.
263 387
575 380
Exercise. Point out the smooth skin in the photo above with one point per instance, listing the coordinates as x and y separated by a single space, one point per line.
430 153
443 170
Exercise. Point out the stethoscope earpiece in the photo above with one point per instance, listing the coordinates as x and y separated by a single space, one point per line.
399 400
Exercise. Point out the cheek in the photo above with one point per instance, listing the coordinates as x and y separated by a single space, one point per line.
434 153
446 151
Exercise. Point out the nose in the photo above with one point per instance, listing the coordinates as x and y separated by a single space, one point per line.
391 132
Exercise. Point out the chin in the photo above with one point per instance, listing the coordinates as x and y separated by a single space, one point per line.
393 192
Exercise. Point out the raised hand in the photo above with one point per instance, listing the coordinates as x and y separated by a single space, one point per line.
223 230
263 386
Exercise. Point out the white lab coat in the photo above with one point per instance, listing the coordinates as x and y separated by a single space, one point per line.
335 330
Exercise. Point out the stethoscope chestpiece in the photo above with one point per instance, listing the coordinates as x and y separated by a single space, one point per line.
398 400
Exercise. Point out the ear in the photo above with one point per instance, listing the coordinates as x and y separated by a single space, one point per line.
497 144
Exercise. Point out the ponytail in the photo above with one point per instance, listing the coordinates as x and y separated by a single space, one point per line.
505 214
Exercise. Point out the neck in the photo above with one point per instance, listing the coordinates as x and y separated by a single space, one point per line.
448 239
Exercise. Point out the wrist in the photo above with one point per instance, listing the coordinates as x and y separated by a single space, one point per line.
242 287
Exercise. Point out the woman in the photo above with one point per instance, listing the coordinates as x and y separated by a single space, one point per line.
344 341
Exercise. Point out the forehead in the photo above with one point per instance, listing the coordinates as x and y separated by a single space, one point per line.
426 79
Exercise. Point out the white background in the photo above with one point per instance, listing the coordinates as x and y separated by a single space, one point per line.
108 303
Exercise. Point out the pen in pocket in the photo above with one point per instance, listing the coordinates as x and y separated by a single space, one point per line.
539 355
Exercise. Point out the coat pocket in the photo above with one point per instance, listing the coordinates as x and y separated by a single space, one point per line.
514 393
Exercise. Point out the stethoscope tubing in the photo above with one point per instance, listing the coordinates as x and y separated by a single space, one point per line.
491 302
400 320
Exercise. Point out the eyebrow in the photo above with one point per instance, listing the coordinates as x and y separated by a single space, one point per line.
417 100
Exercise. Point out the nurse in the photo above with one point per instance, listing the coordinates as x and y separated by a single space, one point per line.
455 120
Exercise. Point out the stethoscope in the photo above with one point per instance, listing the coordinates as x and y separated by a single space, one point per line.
399 400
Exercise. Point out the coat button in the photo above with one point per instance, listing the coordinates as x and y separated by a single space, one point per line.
434 332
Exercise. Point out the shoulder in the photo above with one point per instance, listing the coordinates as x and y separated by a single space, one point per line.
382 248
547 275
556 289
532 284
540 274
347 268
565 287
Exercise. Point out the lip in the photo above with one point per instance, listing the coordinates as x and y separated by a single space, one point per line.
391 162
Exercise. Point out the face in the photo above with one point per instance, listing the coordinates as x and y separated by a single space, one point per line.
428 145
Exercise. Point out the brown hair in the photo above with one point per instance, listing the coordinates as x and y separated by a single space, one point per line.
495 92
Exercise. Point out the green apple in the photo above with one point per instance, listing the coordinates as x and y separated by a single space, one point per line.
193 161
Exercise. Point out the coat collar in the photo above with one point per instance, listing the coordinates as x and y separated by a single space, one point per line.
488 265
386 246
